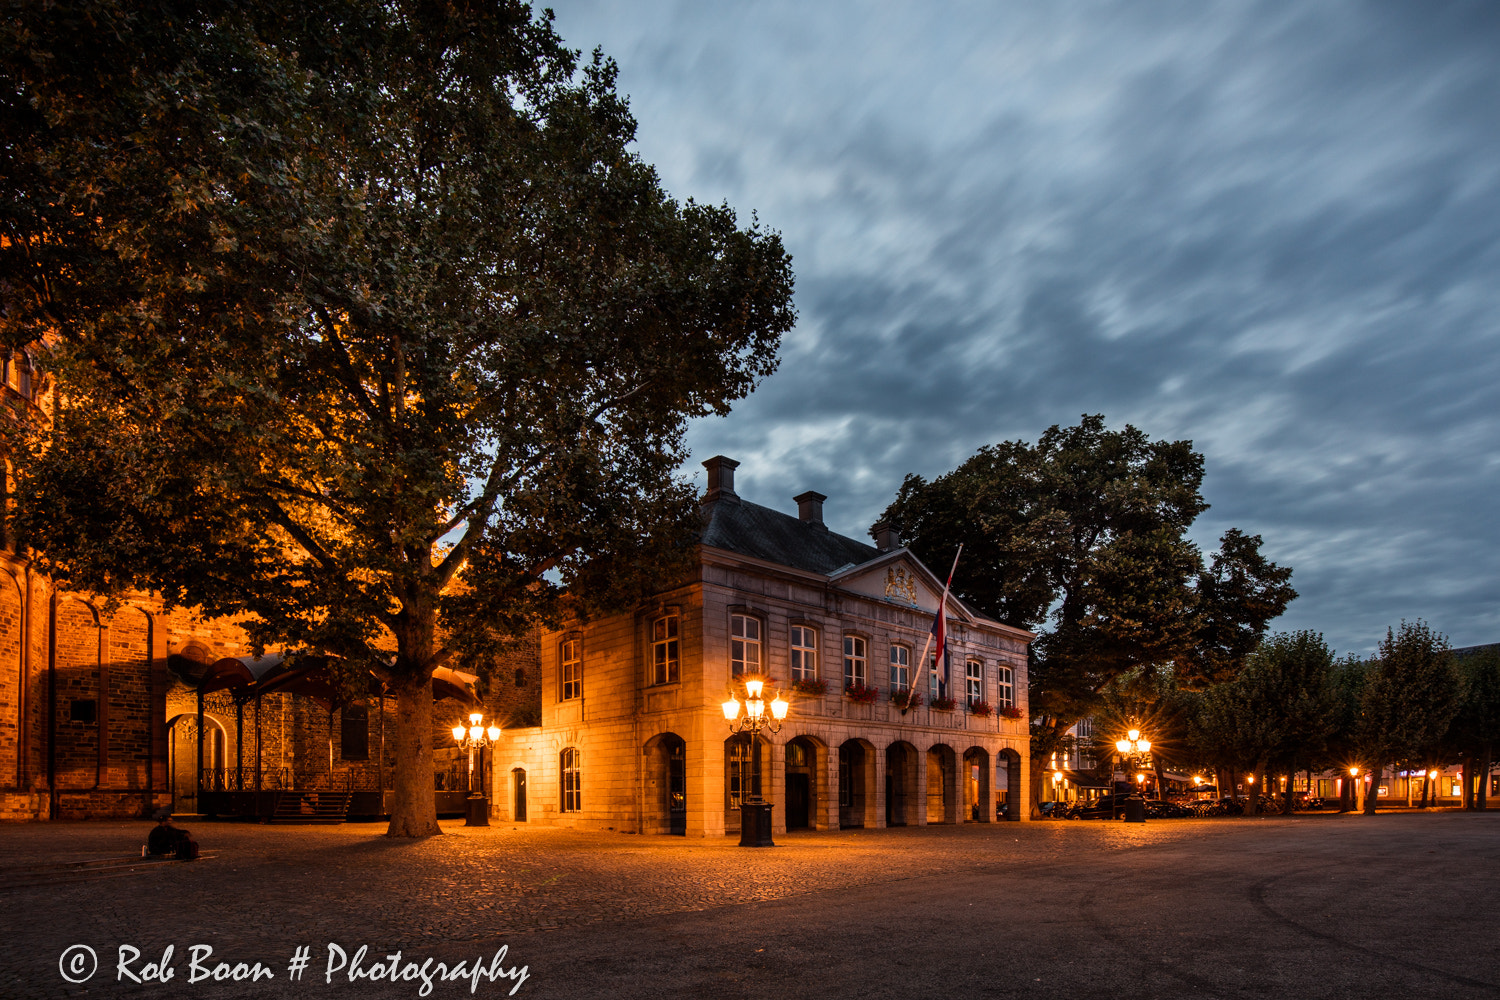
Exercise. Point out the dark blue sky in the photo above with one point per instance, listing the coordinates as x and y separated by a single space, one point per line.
1272 228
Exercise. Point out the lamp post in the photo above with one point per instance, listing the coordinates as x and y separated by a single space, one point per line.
476 738
755 812
1135 750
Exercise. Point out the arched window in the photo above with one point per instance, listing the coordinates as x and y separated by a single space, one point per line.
572 781
804 653
570 660
744 645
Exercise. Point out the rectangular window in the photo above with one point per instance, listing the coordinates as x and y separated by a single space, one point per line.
665 658
804 653
846 779
744 645
744 772
1005 687
354 733
939 683
974 681
855 659
572 781
900 668
83 710
571 660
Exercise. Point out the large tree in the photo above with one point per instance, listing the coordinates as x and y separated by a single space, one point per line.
1475 730
1412 692
366 324
1277 715
1083 537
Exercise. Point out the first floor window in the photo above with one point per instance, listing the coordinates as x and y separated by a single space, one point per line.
354 733
974 681
846 778
572 781
1005 687
571 659
939 677
854 662
804 653
744 772
664 650
744 645
900 668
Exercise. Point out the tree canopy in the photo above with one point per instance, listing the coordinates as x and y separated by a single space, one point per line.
1083 537
1412 692
366 324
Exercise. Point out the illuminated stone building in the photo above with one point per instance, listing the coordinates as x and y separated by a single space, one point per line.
633 738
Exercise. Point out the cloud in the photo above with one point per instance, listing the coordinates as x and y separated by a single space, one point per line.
1267 227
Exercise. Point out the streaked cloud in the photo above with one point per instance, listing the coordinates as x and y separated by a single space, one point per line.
1273 228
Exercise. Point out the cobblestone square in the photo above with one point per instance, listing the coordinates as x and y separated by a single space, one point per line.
1312 906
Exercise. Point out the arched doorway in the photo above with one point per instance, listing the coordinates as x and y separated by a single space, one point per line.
976 786
666 784
1010 798
518 790
802 769
182 759
900 783
856 784
941 797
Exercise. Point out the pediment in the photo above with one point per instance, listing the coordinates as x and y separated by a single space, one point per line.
897 578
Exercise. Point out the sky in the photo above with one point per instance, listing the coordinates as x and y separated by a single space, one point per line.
1270 228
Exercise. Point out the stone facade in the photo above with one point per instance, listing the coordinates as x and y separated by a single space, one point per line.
642 739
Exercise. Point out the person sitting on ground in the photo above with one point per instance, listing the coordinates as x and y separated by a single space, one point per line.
167 839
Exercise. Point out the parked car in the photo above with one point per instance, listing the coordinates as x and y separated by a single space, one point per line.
1105 807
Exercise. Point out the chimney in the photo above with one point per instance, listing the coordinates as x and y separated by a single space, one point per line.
885 535
810 508
720 479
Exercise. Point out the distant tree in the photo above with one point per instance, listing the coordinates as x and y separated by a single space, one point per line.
1411 695
1278 715
1475 728
1083 537
367 324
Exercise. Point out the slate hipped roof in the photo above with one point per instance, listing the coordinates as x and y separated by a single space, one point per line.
752 530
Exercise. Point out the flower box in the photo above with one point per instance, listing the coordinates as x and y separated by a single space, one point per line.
810 687
944 704
980 708
906 700
1012 712
860 694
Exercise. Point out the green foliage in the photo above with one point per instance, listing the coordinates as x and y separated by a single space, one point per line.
1411 694
1279 712
1083 537
366 322
1475 728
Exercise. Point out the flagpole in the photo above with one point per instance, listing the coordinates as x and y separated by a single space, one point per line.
942 610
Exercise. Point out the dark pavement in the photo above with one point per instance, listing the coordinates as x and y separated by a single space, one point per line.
1403 905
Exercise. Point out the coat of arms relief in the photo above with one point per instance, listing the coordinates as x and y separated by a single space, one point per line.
901 585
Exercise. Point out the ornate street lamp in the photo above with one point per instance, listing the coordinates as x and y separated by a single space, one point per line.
755 812
1135 751
476 738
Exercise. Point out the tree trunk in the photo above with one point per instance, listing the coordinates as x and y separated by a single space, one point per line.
413 802
1234 786
1346 793
1374 792
1485 762
1288 795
